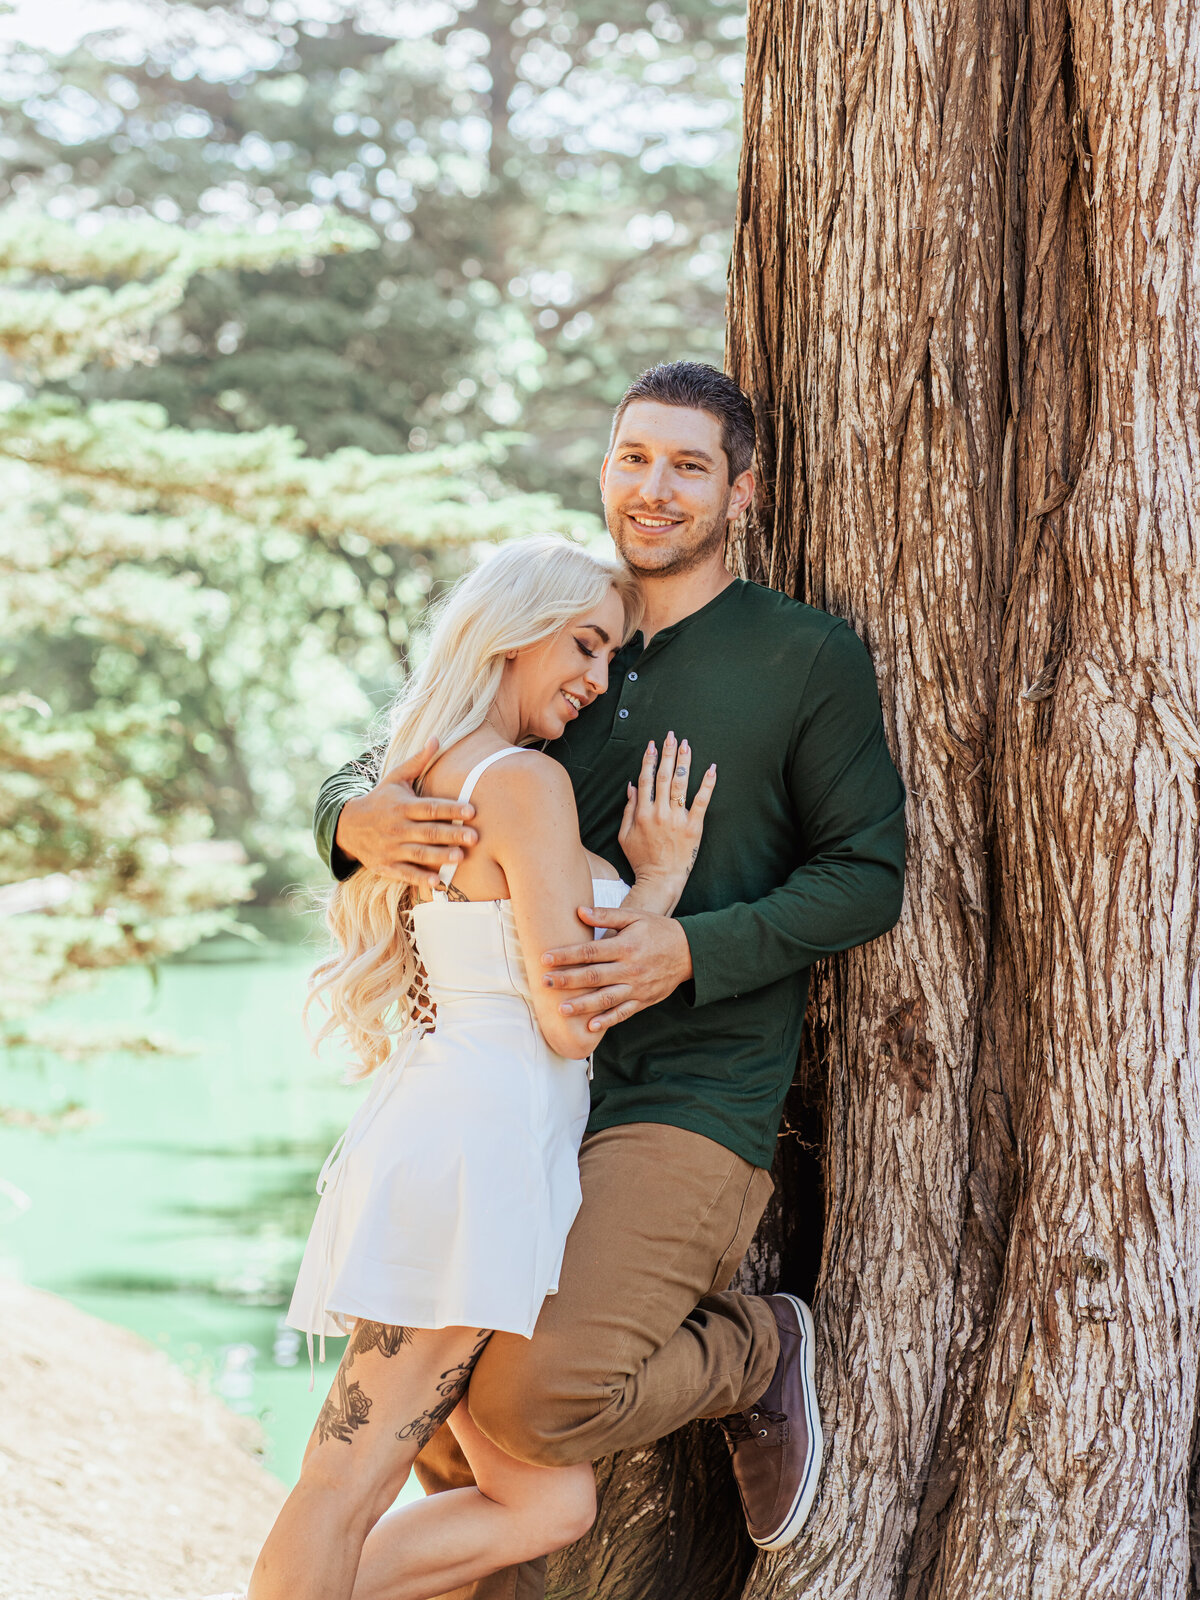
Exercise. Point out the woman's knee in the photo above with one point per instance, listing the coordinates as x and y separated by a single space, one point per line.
571 1509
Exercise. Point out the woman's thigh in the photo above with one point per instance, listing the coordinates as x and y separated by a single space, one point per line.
393 1389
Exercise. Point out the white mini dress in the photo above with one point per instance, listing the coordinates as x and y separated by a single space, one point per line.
448 1199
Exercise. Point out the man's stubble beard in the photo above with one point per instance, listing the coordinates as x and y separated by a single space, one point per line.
672 561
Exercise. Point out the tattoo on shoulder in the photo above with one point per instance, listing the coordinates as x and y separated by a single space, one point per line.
451 1387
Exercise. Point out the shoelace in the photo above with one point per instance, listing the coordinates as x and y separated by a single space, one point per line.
753 1424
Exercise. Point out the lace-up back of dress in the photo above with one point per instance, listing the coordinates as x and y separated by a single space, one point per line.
422 1008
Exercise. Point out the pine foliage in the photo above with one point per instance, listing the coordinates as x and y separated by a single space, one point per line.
186 616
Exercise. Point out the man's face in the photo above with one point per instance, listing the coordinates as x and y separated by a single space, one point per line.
666 488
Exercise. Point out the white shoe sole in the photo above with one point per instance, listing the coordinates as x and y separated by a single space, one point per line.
807 1491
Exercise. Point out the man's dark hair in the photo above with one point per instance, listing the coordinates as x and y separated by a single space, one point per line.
703 388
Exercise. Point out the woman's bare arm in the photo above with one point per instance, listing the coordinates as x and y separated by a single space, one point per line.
528 823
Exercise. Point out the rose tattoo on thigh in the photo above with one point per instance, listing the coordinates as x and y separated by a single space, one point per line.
347 1406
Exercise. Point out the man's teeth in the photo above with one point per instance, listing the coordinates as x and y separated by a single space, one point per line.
571 700
655 522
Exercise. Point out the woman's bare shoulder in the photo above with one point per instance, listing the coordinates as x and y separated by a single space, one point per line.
527 773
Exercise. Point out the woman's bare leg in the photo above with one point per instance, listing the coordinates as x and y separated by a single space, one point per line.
394 1388
517 1512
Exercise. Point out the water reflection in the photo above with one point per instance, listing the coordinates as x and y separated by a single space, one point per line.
179 1204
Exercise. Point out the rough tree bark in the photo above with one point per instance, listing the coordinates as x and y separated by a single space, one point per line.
965 298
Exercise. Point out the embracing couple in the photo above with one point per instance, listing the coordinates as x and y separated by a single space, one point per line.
533 1268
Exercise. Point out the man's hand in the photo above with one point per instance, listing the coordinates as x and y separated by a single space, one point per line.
392 832
635 967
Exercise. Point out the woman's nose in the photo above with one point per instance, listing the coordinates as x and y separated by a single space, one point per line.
596 676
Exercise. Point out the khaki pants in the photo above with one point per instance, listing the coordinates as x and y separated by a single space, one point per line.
640 1337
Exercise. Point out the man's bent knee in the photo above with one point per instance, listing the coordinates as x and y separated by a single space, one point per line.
525 1416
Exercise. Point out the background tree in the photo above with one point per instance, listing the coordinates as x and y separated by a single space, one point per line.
187 618
965 296
553 188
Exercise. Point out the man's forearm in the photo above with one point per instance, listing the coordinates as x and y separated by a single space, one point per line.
849 805
829 905
347 783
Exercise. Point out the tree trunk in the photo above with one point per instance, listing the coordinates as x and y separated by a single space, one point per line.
965 299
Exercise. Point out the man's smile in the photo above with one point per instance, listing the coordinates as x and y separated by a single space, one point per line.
652 524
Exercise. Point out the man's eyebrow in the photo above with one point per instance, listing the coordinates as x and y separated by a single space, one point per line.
684 450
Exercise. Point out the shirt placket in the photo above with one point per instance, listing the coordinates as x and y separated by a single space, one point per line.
624 720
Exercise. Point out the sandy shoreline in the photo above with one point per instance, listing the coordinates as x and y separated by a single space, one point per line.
119 1479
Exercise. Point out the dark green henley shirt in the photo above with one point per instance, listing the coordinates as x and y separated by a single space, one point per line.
802 856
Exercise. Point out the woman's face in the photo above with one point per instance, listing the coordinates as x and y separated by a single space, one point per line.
550 683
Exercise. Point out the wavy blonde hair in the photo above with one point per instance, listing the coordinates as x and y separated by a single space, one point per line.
521 596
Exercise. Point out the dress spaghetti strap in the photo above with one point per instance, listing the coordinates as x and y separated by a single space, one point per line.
446 873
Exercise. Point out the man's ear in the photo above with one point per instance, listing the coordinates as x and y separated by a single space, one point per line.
741 494
604 470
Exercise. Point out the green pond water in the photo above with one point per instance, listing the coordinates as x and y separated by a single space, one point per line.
181 1209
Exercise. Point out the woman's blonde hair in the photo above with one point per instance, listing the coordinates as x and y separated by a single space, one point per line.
521 596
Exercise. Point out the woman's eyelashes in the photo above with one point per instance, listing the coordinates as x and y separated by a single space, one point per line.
591 654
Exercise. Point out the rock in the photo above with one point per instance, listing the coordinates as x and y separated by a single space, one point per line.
119 1478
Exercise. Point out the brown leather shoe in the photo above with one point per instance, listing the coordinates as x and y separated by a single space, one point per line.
776 1445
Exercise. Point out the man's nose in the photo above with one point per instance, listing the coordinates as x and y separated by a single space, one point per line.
656 484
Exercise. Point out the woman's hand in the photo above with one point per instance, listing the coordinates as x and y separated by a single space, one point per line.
660 833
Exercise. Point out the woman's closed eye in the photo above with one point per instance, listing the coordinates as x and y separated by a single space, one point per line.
591 654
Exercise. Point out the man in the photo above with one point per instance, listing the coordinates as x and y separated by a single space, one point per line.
802 856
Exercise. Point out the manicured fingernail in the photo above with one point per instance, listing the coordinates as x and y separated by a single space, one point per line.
685 745
713 768
670 738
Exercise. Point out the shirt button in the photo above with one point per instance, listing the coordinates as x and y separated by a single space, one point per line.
633 677
622 712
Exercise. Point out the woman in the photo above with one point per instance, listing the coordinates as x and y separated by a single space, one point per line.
446 1205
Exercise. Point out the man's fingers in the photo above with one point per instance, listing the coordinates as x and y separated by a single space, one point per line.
440 811
589 1004
576 978
402 872
608 1019
409 771
444 834
603 917
576 955
427 855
